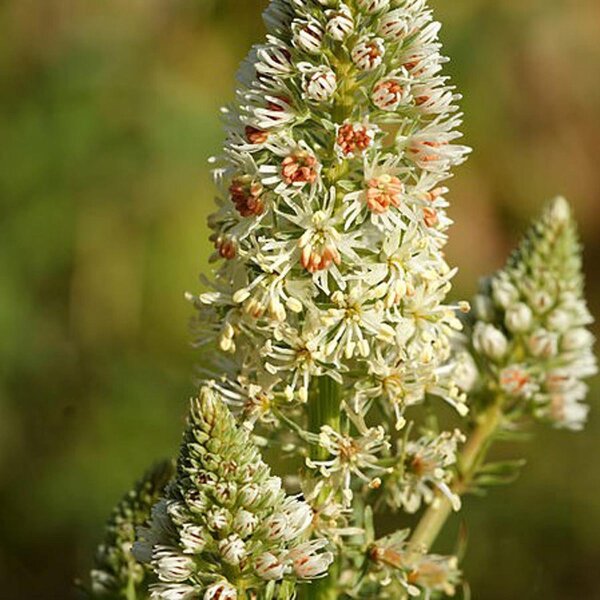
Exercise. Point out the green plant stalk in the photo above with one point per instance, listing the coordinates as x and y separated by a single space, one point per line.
131 592
470 460
323 409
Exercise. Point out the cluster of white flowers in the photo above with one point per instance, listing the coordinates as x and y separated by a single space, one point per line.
225 528
351 455
530 337
425 467
330 235
403 571
332 216
329 300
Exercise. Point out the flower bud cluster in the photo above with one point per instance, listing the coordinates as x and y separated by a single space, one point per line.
530 334
115 569
331 216
225 527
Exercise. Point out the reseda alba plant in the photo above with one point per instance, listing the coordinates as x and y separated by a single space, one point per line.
326 321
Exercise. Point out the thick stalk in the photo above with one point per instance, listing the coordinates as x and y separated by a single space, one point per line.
470 460
323 409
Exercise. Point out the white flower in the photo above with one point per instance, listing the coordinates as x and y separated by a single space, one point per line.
432 149
426 467
308 35
291 522
373 6
250 496
354 138
340 24
465 373
276 527
193 539
222 590
232 549
518 318
389 93
218 519
543 344
308 562
319 243
170 565
504 293
433 97
386 200
559 320
321 84
490 341
516 381
356 318
565 407
269 567
368 53
269 111
273 59
299 355
244 523
576 339
352 455
299 517
394 25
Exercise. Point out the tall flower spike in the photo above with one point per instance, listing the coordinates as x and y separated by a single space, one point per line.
116 573
331 216
225 528
530 334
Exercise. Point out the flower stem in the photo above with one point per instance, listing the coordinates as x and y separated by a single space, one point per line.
130 592
470 460
323 409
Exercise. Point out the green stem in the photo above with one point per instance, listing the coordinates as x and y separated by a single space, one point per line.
130 592
470 460
323 409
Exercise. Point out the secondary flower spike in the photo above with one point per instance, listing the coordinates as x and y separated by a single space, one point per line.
531 335
116 573
225 528
331 219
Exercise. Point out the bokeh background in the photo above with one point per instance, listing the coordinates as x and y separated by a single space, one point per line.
109 113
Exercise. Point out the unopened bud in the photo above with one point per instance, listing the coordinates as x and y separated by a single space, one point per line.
518 318
490 341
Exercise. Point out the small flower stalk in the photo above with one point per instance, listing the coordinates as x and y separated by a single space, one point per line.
327 321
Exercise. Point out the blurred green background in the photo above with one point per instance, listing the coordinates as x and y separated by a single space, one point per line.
109 112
